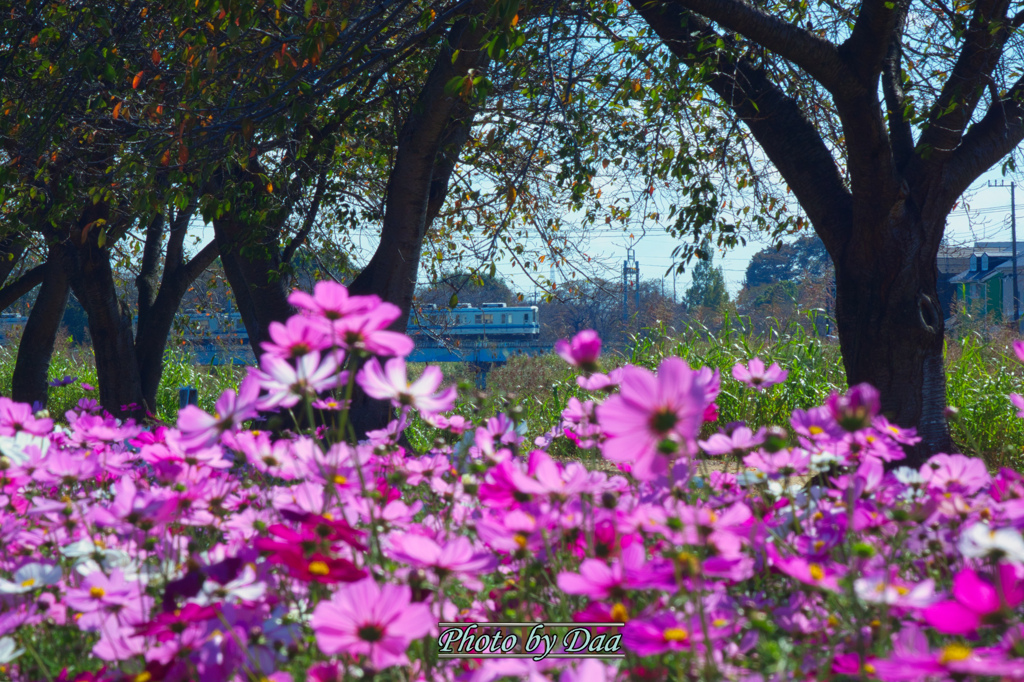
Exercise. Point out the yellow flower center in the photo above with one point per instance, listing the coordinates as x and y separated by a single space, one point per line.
676 635
901 590
520 540
815 430
340 480
817 572
869 669
818 544
318 568
28 583
144 676
619 613
719 622
955 652
96 592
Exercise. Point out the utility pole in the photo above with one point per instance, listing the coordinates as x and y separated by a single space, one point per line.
1013 238
630 267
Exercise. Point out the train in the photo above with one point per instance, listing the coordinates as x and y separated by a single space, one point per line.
493 321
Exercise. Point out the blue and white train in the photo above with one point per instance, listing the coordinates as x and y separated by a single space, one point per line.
495 321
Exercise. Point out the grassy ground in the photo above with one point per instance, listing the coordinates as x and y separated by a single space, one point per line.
981 371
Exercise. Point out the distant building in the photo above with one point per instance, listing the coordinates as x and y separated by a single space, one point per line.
986 284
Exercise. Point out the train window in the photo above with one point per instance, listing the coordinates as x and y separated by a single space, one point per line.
489 318
479 319
526 317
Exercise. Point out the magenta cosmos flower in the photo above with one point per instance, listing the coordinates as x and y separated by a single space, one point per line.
973 599
390 383
756 376
582 351
378 622
653 416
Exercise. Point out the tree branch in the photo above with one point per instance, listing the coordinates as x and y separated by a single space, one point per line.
775 120
985 143
871 38
21 286
197 265
307 224
815 55
955 105
900 133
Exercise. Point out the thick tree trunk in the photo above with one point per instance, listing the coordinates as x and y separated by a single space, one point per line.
155 326
429 146
253 269
37 340
110 320
891 328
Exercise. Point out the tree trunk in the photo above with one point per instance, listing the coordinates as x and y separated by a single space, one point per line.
155 327
891 327
429 145
110 320
37 340
252 266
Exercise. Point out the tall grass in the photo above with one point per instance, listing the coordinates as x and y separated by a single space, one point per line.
981 370
78 361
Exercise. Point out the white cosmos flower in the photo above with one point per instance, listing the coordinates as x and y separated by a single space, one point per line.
31 577
746 478
15 447
980 541
878 590
9 650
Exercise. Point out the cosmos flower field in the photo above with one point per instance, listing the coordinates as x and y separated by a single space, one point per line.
211 551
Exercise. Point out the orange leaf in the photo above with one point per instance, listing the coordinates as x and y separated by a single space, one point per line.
137 80
182 154
117 110
270 188
155 56
166 158
515 20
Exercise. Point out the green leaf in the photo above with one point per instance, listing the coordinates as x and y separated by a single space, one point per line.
453 301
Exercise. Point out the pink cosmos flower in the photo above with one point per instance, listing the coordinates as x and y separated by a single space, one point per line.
823 575
955 473
599 580
756 376
1018 349
653 416
17 417
201 430
1018 402
296 337
390 383
651 636
973 599
332 301
287 384
368 332
582 351
456 556
856 408
376 621
736 443
600 382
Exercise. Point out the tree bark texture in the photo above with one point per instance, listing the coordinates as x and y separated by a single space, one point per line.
253 269
37 340
110 320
